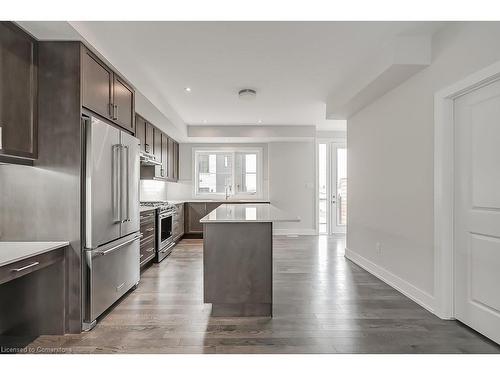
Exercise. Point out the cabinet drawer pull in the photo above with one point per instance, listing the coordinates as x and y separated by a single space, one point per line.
150 229
26 267
151 249
147 239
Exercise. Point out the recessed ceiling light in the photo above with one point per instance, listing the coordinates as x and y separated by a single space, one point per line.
205 121
260 121
187 89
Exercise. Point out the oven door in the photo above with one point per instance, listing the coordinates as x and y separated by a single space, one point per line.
165 230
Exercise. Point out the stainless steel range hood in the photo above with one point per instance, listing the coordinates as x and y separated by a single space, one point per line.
148 159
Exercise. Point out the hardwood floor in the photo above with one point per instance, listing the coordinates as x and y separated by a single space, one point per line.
323 303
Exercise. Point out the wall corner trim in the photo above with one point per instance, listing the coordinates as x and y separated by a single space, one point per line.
417 295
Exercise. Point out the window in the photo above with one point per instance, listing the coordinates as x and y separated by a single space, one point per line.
214 172
236 172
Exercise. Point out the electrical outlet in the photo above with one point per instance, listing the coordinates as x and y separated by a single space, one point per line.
378 246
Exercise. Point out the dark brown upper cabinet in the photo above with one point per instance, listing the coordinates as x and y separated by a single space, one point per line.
140 131
149 145
172 160
123 99
176 162
162 147
18 94
170 165
97 85
157 143
164 155
106 93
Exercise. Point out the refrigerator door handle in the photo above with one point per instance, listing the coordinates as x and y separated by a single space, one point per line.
135 238
127 182
116 177
124 178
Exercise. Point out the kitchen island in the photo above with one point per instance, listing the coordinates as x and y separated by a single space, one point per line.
238 258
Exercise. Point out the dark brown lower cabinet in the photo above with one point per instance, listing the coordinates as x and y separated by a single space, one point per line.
194 212
148 240
178 222
33 292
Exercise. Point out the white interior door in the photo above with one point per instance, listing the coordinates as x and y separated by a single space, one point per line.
477 210
338 190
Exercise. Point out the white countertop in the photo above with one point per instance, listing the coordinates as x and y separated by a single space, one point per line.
248 213
11 252
146 208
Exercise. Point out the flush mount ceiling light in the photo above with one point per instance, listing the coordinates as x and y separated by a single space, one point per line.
247 94
187 89
260 121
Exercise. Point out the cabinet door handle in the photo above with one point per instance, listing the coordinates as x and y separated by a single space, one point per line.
111 111
26 267
1 144
116 112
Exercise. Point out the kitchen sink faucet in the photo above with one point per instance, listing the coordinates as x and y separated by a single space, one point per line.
228 190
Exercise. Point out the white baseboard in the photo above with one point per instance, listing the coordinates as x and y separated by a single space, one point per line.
294 232
421 297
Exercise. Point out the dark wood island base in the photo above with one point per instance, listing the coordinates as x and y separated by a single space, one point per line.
238 268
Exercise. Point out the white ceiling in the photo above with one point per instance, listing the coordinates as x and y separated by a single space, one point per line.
292 65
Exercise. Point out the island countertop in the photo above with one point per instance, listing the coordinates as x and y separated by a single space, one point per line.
11 252
248 213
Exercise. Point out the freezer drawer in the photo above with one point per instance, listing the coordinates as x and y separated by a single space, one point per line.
113 269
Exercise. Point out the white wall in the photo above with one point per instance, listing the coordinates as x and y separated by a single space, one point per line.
390 161
292 183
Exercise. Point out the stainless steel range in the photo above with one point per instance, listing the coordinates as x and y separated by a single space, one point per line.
164 225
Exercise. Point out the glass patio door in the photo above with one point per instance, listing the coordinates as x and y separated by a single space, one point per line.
332 187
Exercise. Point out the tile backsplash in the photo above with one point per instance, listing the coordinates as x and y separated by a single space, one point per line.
152 190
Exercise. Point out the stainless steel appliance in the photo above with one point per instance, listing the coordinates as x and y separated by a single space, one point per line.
111 216
164 228
165 233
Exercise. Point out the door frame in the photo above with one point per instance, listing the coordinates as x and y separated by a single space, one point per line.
331 142
444 186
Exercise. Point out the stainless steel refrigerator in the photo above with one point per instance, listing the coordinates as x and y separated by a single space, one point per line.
111 216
